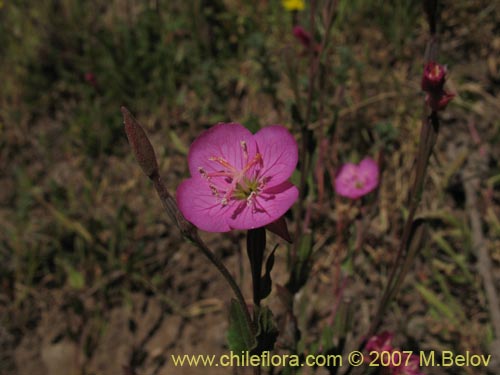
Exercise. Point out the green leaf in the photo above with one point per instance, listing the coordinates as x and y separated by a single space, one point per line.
239 334
266 282
178 144
433 300
267 332
302 266
75 278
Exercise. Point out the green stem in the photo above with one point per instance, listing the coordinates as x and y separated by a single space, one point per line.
256 245
427 140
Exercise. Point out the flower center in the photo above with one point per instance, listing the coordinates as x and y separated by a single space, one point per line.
245 188
359 184
231 183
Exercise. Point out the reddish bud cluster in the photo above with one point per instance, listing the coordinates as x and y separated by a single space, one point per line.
305 39
433 81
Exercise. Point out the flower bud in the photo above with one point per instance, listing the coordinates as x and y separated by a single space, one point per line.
434 77
302 35
142 147
433 80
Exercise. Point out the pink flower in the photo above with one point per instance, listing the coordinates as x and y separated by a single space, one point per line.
400 362
353 181
239 180
380 343
433 81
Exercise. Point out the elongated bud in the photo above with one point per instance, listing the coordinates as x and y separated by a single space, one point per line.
142 147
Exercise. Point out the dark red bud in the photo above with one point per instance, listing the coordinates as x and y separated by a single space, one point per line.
434 77
303 36
438 102
433 80
142 147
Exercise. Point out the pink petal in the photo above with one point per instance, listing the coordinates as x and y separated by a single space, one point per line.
279 153
200 207
368 168
271 205
345 180
222 140
381 342
353 181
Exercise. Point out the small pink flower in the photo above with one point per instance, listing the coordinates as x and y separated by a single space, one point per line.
239 180
433 80
380 343
353 181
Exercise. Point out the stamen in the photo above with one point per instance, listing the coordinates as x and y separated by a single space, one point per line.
239 186
203 173
245 150
257 159
222 162
251 197
214 190
263 182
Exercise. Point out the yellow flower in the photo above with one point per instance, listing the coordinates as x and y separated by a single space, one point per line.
291 5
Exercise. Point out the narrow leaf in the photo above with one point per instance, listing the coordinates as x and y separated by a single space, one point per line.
239 334
266 282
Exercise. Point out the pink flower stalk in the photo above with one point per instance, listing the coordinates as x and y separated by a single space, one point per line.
356 180
433 81
239 180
